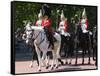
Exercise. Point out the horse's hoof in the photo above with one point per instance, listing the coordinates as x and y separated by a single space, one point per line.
66 62
52 68
56 67
76 63
89 62
62 63
82 63
70 63
94 59
31 66
39 70
48 66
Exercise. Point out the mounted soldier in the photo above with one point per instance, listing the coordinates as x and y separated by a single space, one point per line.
84 37
63 25
84 24
47 25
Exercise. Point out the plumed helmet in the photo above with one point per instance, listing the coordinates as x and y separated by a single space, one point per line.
62 14
40 14
84 13
46 10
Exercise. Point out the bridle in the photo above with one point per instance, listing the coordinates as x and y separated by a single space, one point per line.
37 37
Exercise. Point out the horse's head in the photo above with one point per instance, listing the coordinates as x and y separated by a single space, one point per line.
28 33
31 33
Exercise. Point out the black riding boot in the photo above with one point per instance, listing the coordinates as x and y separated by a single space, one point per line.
49 36
50 39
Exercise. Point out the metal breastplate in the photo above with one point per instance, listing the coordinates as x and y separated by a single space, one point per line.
83 24
39 22
61 27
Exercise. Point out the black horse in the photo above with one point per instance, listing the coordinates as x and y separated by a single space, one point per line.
84 43
67 47
94 44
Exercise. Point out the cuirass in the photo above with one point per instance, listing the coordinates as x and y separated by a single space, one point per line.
39 22
83 24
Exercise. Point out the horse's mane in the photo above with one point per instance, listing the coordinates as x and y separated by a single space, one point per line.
37 28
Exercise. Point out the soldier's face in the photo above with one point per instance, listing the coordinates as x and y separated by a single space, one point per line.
40 17
45 17
83 17
62 18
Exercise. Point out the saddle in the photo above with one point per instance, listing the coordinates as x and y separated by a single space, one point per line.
50 37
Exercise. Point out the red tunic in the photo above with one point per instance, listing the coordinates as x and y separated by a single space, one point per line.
47 24
66 26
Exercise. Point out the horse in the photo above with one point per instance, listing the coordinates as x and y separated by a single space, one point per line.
66 44
83 40
94 46
37 36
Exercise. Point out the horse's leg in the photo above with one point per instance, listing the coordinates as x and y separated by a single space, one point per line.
67 52
31 65
71 54
96 56
44 57
39 56
76 49
53 61
89 53
93 53
47 62
49 53
59 60
83 53
70 51
93 49
76 57
58 57
89 49
35 55
76 53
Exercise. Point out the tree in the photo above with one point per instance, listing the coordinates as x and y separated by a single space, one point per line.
29 11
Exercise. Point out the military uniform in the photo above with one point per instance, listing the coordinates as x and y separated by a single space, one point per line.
63 25
84 24
47 24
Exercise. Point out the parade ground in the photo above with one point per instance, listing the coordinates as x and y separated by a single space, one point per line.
24 66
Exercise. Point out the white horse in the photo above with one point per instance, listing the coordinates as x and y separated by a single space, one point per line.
41 43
